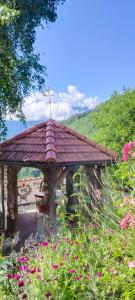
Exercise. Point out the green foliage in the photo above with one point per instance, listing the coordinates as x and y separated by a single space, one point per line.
26 173
115 120
111 123
82 123
89 262
20 70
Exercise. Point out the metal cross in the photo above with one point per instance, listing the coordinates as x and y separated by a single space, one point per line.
49 95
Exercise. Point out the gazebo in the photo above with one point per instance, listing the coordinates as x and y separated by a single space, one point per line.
57 151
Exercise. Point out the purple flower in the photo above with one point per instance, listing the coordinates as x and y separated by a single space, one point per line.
76 257
33 270
23 268
55 267
10 276
44 244
99 274
20 283
72 271
23 259
48 294
17 276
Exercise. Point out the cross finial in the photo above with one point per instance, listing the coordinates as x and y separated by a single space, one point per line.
49 94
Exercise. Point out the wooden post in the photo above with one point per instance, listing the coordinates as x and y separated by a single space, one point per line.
53 177
2 220
94 185
72 200
5 196
12 208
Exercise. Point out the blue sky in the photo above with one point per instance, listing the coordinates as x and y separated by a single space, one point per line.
91 45
89 52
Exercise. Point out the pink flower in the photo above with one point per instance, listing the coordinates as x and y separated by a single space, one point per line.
99 274
98 194
76 257
10 276
55 267
131 264
72 271
44 244
33 270
20 283
23 268
127 220
126 150
88 278
77 278
17 276
23 259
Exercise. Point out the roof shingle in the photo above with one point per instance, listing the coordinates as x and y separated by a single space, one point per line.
52 142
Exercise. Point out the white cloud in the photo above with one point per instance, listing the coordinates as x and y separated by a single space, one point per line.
64 104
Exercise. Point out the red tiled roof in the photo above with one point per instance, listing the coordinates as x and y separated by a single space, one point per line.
52 142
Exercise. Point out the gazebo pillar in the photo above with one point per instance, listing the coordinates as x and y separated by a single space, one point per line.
94 184
12 207
49 189
71 199
2 207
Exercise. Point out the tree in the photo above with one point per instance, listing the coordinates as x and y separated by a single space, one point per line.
114 120
20 70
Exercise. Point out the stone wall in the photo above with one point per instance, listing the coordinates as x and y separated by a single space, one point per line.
27 189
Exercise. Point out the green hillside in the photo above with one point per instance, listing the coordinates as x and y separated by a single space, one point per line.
82 123
112 123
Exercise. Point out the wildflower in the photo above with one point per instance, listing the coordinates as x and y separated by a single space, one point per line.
44 244
88 277
99 274
72 271
76 257
23 259
126 150
127 220
33 270
10 276
66 255
131 264
38 270
17 276
77 278
23 268
55 267
20 283
98 194
48 294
